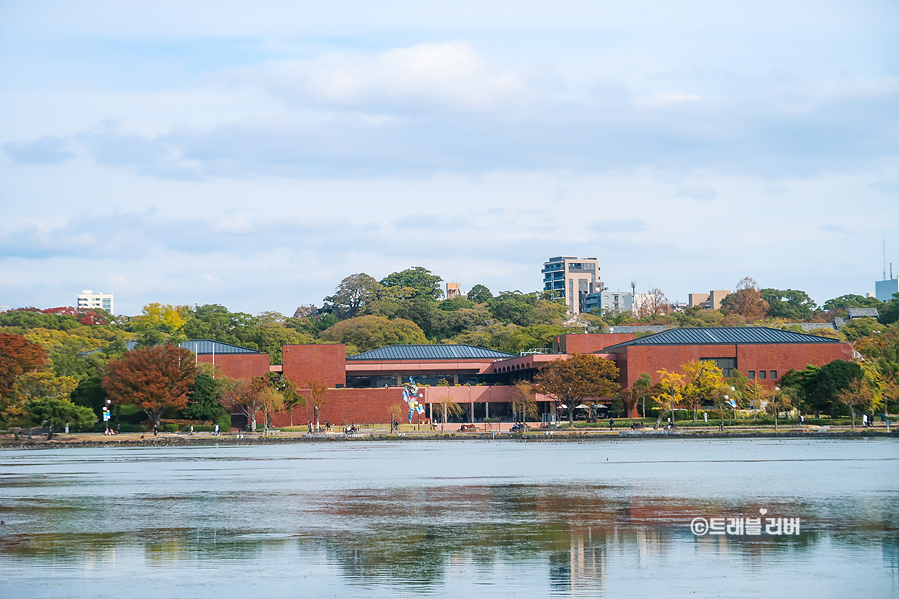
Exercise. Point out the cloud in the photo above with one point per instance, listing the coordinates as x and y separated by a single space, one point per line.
452 75
46 150
630 225
211 279
830 228
697 192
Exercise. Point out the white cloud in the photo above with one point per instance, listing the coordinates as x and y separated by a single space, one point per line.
663 99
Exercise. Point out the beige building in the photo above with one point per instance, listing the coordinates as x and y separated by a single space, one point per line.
711 300
453 290
573 279
88 300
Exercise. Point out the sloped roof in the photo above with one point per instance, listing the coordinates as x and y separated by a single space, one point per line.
862 312
431 352
723 336
206 346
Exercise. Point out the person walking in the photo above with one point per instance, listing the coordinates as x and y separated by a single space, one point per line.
217 429
611 423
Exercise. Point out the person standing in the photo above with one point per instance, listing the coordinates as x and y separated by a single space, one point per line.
864 420
217 429
611 423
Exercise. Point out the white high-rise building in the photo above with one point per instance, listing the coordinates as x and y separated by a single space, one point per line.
89 300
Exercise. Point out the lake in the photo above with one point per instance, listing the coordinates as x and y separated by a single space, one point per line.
454 519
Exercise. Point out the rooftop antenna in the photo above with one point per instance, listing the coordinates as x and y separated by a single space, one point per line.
633 287
885 261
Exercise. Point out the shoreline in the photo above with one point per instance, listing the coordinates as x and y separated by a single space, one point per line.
178 440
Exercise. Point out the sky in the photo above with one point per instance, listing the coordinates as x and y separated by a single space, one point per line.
253 154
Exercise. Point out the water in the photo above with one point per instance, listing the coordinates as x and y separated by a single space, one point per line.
450 519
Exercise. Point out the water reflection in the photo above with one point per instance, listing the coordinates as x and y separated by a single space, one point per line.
293 518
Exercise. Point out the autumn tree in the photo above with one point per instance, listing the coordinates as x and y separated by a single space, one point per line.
580 378
243 395
164 318
152 379
780 400
643 389
703 379
316 395
18 356
858 395
524 401
288 391
653 303
746 301
670 393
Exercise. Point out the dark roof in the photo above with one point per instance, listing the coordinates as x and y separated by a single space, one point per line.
206 346
431 352
862 312
723 336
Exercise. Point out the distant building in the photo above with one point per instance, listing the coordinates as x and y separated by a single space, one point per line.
88 300
614 301
884 290
711 300
572 279
452 290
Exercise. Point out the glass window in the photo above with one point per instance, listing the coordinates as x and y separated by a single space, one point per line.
773 374
751 374
762 374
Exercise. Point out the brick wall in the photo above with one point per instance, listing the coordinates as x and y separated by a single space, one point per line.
590 342
323 363
238 366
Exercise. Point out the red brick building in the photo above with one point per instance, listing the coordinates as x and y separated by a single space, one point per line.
367 388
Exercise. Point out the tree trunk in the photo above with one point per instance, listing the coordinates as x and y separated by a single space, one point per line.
775 419
253 423
851 409
694 413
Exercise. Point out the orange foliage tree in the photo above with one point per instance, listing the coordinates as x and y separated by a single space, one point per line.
151 378
18 356
582 377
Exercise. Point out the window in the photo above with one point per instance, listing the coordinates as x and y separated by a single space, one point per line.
751 374
773 374
762 374
727 365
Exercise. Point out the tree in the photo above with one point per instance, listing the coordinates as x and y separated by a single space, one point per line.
858 328
479 294
653 303
830 380
316 395
670 393
703 379
515 307
524 401
580 378
882 352
203 398
89 393
243 395
804 382
35 386
371 332
746 301
781 400
18 356
164 318
537 336
152 378
58 413
444 408
418 278
851 301
789 304
857 395
288 391
642 389
351 295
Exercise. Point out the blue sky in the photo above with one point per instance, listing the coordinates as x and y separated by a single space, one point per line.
254 154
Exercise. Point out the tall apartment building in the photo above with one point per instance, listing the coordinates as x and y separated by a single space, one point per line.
89 300
572 279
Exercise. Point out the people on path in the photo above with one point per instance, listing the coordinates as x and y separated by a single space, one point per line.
217 429
611 423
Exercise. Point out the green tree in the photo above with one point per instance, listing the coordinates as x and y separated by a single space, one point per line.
58 413
580 378
643 389
789 304
352 295
833 378
781 400
371 332
889 311
514 307
418 278
203 399
857 328
537 336
851 301
479 294
89 393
